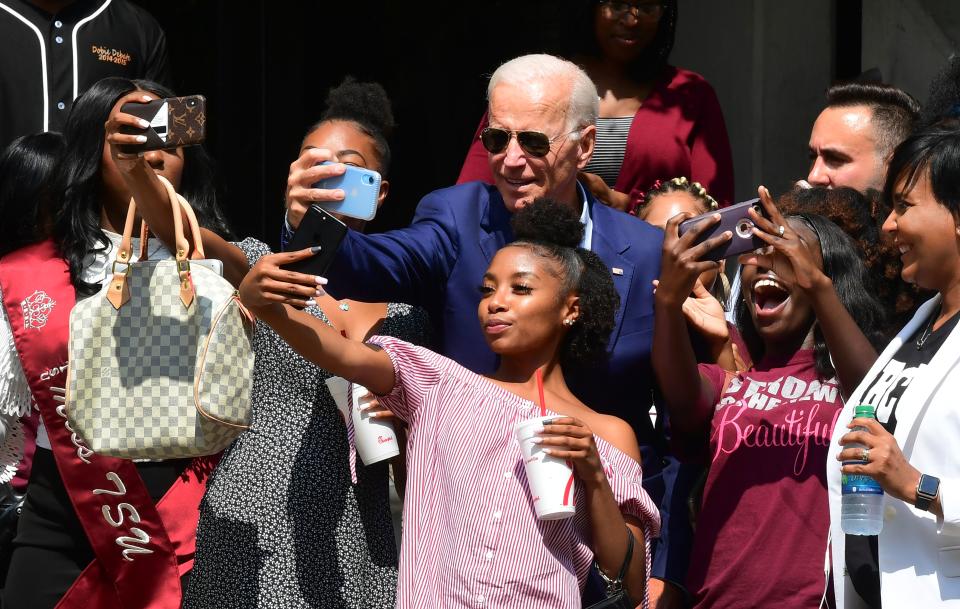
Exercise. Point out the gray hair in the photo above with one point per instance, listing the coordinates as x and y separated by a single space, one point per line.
541 68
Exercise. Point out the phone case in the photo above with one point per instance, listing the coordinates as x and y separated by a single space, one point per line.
733 219
174 122
361 187
318 227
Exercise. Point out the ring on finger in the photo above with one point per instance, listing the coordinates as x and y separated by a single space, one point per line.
865 455
781 229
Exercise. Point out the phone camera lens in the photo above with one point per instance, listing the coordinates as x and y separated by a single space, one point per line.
744 228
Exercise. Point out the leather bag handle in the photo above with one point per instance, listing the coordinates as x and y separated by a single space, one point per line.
119 292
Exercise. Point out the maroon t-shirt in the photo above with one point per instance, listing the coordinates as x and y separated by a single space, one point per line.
762 532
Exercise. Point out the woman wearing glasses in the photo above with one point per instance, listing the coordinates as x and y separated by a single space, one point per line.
656 121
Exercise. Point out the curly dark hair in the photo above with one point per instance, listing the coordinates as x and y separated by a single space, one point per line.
367 105
553 231
860 215
943 99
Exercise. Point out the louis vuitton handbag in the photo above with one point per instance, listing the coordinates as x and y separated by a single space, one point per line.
161 361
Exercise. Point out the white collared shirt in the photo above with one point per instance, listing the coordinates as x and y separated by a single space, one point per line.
585 219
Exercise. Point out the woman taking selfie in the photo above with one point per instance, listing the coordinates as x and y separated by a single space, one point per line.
64 546
910 447
764 431
285 489
471 534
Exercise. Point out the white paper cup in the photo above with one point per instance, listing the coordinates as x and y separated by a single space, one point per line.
550 479
374 439
340 390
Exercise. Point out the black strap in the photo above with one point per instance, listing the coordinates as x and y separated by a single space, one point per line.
627 558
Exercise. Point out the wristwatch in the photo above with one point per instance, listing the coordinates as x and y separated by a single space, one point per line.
927 490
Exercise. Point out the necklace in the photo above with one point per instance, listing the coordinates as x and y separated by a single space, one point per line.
928 331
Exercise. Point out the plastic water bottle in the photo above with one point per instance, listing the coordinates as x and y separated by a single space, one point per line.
861 508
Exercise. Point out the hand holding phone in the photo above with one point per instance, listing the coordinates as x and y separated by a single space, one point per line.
173 122
318 228
734 219
361 189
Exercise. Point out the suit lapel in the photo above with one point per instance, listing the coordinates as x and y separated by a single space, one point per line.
926 383
495 231
609 244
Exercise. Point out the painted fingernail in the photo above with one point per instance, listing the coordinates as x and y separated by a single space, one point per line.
321 280
547 451
141 138
538 440
316 249
311 302
146 98
143 123
319 292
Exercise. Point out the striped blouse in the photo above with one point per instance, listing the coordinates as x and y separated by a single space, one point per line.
470 534
610 148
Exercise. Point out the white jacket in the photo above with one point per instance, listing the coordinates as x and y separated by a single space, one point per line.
919 554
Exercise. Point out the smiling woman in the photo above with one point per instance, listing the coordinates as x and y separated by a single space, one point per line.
803 316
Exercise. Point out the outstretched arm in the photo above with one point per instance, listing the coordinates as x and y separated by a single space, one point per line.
271 293
154 204
674 362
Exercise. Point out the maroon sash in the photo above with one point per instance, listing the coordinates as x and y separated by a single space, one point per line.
141 549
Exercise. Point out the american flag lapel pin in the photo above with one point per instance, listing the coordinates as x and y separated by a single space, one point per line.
617 271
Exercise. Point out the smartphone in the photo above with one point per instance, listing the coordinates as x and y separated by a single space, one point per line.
174 122
733 219
361 188
318 227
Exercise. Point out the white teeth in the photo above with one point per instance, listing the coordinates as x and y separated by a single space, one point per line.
904 249
768 282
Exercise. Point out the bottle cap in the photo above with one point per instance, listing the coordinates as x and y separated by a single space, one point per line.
865 411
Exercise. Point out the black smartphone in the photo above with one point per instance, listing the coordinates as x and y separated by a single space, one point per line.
318 227
733 219
174 122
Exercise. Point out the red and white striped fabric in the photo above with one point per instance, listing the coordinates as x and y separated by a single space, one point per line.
470 534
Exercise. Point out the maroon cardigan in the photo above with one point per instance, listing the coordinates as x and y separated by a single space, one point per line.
678 131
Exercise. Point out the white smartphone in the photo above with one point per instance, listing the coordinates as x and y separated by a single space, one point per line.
361 188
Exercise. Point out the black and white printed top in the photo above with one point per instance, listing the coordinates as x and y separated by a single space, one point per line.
282 525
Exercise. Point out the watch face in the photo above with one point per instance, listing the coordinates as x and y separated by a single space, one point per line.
928 486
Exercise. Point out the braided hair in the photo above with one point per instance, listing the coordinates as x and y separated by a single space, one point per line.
553 231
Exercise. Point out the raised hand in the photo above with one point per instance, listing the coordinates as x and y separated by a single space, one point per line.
680 264
304 173
803 268
267 284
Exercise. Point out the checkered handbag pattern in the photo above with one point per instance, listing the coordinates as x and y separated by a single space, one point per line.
155 379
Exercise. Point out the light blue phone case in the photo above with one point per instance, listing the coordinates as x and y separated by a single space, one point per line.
361 187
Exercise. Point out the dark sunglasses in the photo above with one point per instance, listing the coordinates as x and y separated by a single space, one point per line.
533 143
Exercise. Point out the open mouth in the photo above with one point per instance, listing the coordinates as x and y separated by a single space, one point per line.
769 297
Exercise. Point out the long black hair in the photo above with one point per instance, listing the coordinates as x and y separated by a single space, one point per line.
581 39
553 231
843 265
78 190
26 169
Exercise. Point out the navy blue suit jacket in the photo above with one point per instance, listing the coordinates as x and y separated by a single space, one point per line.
438 263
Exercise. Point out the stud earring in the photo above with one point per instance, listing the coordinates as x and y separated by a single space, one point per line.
568 322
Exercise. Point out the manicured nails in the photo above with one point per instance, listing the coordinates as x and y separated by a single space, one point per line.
146 98
316 249
143 123
141 139
321 280
311 302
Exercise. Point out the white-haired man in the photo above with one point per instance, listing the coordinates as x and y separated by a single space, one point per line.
542 112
